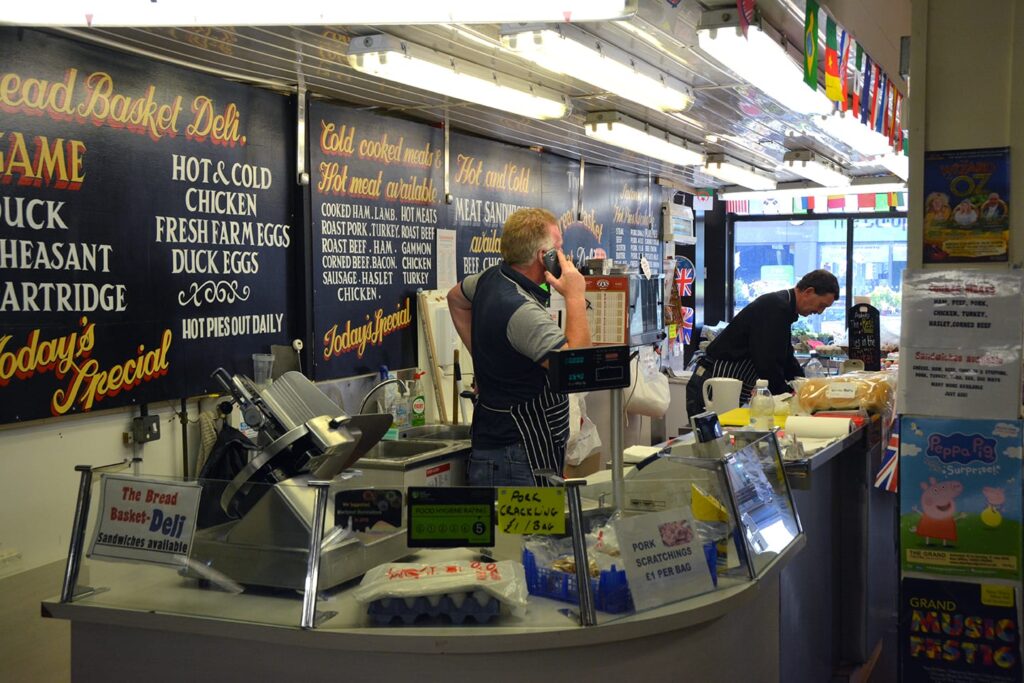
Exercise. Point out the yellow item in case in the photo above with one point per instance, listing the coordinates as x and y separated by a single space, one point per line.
740 417
706 507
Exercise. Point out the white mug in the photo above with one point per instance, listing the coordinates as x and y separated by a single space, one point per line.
721 394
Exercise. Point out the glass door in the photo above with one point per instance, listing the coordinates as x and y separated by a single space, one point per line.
879 258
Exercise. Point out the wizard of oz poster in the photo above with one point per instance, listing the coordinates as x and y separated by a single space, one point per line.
960 497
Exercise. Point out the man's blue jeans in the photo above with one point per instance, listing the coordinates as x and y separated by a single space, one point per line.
501 466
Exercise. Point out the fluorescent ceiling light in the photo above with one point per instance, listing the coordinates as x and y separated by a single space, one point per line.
420 67
569 50
873 185
738 173
897 163
761 60
628 133
845 126
809 165
306 12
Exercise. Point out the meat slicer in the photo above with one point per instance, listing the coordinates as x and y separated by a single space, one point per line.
268 505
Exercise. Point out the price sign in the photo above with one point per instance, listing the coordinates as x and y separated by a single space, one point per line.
865 343
450 517
531 510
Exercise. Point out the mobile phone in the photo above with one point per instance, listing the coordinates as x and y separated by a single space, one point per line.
550 258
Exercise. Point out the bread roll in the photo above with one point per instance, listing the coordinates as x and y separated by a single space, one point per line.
870 391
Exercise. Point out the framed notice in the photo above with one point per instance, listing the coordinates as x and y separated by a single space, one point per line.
960 497
967 205
964 359
145 520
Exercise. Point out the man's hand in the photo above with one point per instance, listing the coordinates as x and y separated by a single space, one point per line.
573 288
571 285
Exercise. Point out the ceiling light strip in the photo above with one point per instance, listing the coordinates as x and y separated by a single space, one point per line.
628 133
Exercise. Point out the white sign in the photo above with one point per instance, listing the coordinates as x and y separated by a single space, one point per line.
445 259
664 557
145 521
961 350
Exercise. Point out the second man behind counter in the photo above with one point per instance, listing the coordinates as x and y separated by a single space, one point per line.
757 344
520 426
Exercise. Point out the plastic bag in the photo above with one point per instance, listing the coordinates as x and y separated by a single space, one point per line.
649 394
873 392
505 581
583 436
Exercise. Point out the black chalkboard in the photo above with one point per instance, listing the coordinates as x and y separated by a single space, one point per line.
146 227
489 181
865 343
622 211
376 186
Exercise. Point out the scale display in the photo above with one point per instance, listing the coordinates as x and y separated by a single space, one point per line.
451 517
590 369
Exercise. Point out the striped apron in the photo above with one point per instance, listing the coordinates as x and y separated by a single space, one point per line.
543 424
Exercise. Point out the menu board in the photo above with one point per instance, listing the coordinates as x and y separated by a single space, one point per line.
964 359
623 212
489 181
865 343
376 185
146 232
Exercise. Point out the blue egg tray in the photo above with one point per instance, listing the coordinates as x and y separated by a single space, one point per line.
388 610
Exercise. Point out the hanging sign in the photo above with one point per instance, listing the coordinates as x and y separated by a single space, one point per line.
864 341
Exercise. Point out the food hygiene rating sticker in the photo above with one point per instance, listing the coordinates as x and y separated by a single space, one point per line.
450 517
145 520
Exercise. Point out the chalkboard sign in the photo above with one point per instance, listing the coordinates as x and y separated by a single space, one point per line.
622 211
489 181
146 232
376 187
865 343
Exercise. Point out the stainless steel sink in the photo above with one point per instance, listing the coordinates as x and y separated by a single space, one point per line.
443 432
402 449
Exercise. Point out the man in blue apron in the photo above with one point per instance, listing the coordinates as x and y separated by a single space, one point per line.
757 344
520 426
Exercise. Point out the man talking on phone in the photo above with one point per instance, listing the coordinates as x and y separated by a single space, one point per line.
520 426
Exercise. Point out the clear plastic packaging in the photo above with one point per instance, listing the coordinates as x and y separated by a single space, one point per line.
505 581
873 392
814 368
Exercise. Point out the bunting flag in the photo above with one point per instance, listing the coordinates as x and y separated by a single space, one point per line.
865 93
844 103
833 89
811 45
836 202
736 205
895 115
880 113
881 202
888 477
866 201
872 107
686 328
859 61
745 10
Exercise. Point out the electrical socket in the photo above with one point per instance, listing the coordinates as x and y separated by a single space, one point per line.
145 428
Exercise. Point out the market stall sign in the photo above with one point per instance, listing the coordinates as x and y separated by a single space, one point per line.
145 520
531 510
450 517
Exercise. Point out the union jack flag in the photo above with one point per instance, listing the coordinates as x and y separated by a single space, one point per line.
686 327
888 477
685 278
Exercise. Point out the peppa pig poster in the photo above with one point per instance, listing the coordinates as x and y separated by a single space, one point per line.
960 497
967 205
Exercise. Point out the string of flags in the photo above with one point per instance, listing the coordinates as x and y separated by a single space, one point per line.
861 88
843 203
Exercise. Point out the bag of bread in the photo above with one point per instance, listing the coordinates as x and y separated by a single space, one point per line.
870 391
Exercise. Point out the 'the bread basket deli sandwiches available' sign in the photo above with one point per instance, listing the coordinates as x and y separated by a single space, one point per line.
960 497
964 358
489 182
376 185
967 205
141 209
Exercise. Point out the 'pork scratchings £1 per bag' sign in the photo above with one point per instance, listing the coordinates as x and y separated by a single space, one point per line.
145 520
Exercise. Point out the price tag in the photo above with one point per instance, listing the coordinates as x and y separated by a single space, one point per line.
450 517
531 510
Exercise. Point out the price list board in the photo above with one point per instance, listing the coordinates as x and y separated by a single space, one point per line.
146 227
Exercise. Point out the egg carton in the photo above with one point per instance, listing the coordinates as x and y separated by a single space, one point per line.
479 606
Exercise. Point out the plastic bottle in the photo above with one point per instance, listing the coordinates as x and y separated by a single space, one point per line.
418 403
762 407
814 368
